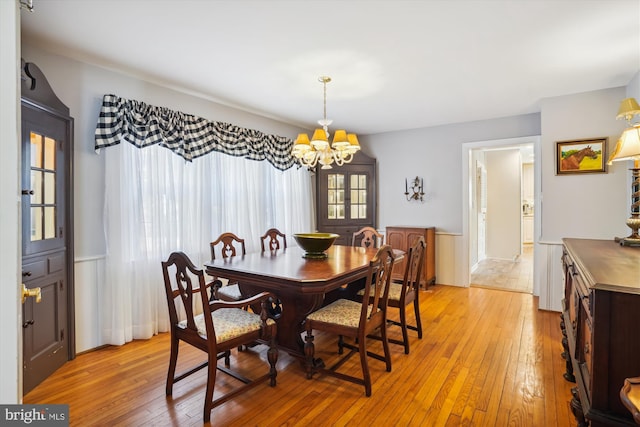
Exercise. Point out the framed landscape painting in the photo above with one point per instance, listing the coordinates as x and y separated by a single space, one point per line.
581 156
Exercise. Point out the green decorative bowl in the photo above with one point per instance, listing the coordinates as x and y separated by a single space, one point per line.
314 244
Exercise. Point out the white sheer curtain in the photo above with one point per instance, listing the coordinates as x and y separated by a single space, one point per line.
156 203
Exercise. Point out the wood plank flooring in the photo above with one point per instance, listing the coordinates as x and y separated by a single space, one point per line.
487 358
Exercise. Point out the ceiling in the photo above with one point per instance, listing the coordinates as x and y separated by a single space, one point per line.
394 64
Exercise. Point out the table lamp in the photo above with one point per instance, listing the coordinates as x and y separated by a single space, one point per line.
628 148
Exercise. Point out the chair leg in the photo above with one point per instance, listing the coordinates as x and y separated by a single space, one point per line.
272 356
309 351
362 349
212 368
340 344
173 359
403 325
416 308
385 346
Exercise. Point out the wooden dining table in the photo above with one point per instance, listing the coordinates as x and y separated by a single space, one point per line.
302 285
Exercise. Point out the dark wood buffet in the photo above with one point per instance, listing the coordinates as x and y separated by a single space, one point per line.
601 327
402 237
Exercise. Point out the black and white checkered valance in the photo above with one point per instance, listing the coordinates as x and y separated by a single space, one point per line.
186 135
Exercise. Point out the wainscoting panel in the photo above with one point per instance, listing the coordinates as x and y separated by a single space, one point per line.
548 269
89 276
448 253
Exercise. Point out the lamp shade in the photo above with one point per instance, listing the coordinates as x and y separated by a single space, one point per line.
628 146
340 139
302 139
353 140
319 140
628 108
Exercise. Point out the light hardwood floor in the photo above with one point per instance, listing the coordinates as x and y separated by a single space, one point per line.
516 276
488 358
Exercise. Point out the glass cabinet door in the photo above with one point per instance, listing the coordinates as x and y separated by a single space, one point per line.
345 198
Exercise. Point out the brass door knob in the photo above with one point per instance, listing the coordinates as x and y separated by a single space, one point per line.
35 292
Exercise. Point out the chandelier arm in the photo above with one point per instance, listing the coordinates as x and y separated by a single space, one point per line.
348 159
337 157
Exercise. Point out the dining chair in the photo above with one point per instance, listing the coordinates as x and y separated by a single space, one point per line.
275 240
407 292
355 320
228 245
367 237
219 327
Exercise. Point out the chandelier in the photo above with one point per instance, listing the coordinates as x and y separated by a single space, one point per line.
318 150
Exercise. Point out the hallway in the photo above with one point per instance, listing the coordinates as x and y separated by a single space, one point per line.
516 276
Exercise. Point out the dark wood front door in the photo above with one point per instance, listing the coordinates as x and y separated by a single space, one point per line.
47 265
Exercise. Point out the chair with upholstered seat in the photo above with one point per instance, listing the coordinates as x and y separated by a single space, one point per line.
221 326
355 320
275 240
407 292
367 237
228 245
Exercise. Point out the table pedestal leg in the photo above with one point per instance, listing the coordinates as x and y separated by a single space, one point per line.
295 308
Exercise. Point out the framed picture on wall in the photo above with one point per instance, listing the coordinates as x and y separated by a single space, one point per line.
581 156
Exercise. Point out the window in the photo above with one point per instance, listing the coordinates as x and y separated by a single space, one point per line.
43 206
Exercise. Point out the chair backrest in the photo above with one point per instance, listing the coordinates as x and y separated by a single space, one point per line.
229 245
415 262
182 280
376 290
275 240
367 237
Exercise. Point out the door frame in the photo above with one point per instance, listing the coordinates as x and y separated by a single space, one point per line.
11 310
468 174
37 95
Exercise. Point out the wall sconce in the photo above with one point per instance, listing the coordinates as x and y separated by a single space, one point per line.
416 191
628 148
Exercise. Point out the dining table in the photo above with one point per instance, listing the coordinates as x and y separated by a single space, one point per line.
302 285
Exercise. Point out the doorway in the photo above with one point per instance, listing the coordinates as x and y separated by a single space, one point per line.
500 213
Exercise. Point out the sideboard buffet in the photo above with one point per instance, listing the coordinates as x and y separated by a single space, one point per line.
600 323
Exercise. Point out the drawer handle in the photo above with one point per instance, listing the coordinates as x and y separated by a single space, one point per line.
26 274
586 349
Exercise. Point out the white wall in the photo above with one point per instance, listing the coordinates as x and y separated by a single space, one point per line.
583 206
503 204
433 153
592 205
10 249
588 205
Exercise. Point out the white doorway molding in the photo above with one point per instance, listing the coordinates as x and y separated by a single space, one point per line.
468 173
